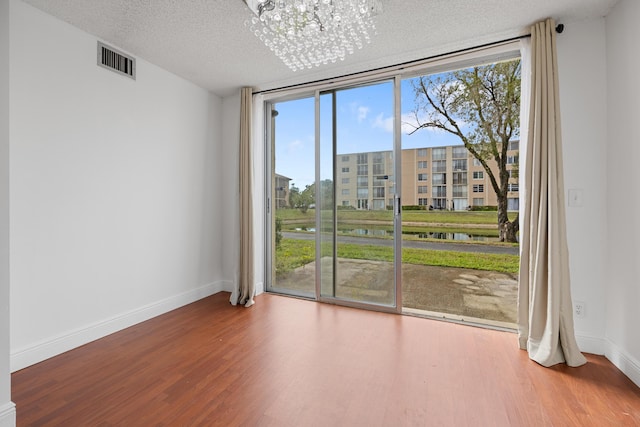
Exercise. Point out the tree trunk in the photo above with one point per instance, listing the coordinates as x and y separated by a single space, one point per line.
508 229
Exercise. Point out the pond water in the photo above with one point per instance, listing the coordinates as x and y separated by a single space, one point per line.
376 232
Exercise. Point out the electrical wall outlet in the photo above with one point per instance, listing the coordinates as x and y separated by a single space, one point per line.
579 309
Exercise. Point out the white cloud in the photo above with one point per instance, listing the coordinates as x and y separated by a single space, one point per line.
408 123
382 122
362 113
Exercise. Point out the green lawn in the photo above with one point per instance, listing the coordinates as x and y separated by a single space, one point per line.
295 253
430 217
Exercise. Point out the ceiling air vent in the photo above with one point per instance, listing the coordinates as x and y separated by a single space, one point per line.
116 61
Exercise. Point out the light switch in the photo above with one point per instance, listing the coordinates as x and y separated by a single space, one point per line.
575 197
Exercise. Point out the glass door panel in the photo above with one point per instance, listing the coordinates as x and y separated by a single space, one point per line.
357 128
292 219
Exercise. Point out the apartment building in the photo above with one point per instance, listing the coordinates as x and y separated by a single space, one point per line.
446 177
281 190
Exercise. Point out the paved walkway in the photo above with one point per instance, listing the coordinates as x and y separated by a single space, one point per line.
459 293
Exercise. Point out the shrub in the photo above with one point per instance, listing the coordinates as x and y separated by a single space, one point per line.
278 232
484 208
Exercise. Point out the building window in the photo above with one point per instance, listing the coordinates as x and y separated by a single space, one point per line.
363 203
513 145
422 189
422 164
363 181
438 153
439 203
345 158
378 192
512 187
363 170
459 152
459 165
439 191
513 173
439 178
362 159
378 158
513 204
478 201
478 175
423 176
379 181
378 168
422 201
478 188
363 192
345 170
378 204
439 166
345 203
459 178
512 160
345 180
459 191
345 191
476 162
422 152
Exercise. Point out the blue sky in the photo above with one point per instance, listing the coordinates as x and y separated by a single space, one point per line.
364 123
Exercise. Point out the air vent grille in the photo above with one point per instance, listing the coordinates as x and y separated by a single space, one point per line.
116 61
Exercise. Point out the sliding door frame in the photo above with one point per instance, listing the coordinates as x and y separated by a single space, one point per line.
484 54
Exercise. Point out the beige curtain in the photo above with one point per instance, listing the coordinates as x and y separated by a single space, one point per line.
245 285
545 310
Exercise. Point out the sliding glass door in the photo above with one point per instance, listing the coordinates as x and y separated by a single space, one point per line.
357 144
333 196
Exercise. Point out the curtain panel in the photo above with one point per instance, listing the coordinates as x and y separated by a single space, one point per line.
545 309
245 286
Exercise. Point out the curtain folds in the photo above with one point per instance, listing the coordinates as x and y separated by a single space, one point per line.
245 285
545 310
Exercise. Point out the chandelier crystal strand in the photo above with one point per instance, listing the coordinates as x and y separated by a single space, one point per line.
308 33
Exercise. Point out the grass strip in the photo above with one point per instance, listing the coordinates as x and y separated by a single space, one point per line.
296 253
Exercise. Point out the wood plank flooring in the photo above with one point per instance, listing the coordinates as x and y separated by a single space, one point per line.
290 362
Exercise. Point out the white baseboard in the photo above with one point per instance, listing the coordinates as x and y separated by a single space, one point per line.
8 415
228 285
592 345
603 347
21 358
623 361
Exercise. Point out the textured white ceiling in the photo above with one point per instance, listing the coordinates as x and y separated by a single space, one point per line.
206 41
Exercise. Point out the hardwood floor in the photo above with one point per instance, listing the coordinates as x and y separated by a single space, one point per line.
289 362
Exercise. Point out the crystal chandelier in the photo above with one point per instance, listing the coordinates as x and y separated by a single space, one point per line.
307 33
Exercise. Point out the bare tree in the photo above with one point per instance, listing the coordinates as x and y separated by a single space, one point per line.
481 106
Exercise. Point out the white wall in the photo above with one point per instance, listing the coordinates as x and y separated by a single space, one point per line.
231 213
582 74
7 410
623 191
115 190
